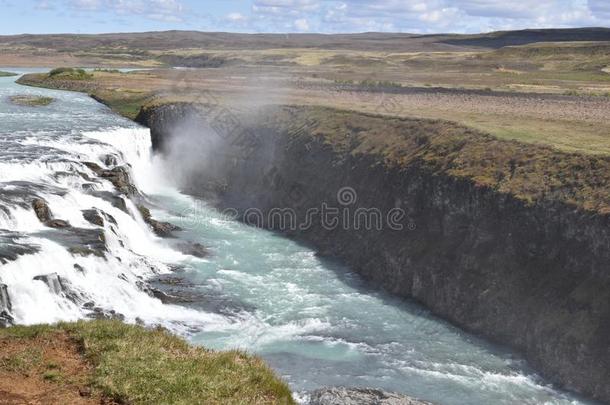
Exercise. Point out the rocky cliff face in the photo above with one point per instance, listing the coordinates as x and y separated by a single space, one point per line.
531 271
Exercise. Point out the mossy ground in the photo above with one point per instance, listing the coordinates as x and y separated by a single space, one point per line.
532 173
568 123
131 364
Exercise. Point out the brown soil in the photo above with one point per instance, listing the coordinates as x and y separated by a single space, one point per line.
44 370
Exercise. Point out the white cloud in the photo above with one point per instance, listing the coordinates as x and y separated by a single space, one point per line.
301 24
163 10
416 16
236 17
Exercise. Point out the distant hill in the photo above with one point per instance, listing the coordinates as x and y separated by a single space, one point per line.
500 39
158 41
397 42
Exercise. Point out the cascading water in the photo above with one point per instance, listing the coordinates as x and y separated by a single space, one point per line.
42 156
312 320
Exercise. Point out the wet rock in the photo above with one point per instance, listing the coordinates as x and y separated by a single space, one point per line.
93 217
94 167
117 201
80 241
100 313
360 396
119 176
172 280
179 290
61 286
6 319
57 223
193 249
184 293
109 217
53 281
110 160
11 247
145 212
86 177
62 175
160 295
121 179
85 251
5 301
162 229
41 208
88 186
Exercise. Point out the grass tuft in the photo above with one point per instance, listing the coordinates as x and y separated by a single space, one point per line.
66 73
31 101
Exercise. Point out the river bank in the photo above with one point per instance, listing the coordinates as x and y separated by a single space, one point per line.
110 362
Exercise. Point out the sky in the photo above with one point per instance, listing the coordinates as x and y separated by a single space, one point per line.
325 16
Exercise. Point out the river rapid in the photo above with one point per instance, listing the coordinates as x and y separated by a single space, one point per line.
312 319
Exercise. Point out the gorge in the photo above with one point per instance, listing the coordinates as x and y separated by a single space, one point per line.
235 296
481 247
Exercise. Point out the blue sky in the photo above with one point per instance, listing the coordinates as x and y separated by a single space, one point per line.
327 16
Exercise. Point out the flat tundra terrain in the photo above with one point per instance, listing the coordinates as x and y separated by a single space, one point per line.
541 86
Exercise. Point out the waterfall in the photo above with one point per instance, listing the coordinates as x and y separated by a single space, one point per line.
86 270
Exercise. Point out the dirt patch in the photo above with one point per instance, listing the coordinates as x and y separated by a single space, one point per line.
48 369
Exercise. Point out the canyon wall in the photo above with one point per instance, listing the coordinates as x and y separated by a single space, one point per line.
508 241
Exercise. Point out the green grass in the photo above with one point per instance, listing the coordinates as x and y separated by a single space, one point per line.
140 366
126 103
70 74
31 101
22 361
529 172
7 74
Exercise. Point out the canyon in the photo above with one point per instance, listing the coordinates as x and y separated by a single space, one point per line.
492 241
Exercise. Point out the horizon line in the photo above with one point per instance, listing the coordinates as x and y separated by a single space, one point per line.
309 33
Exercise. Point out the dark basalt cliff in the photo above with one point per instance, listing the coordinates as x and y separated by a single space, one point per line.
506 240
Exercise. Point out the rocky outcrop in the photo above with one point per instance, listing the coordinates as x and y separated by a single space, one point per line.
192 249
162 229
41 208
93 217
11 247
360 396
110 159
119 176
100 313
59 286
509 241
6 319
53 281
